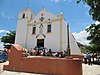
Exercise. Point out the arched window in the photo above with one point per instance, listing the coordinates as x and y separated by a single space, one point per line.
34 30
23 15
48 28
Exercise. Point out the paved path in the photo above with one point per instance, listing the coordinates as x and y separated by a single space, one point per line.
87 70
16 73
91 70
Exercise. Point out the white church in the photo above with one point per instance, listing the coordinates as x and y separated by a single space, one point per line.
44 30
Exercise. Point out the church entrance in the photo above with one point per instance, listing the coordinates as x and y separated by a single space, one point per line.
40 42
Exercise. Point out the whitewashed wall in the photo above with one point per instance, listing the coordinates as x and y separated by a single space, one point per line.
25 38
21 31
52 40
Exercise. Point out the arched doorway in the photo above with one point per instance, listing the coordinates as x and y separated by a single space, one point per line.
40 42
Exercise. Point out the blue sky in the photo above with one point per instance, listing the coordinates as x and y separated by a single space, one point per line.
75 14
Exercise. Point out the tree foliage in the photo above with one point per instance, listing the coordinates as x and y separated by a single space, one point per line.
8 39
94 8
94 36
94 30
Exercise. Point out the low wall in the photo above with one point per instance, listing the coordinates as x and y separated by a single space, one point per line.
53 66
44 65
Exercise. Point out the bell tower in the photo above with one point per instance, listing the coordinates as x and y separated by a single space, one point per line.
25 16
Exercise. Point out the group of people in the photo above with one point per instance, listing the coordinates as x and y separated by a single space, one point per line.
88 59
93 58
44 52
40 52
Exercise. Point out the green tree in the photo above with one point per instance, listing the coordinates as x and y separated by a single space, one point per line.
8 39
94 30
94 8
94 36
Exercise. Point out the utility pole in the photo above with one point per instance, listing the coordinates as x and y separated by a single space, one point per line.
68 46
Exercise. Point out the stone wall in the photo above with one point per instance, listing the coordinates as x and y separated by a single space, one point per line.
43 65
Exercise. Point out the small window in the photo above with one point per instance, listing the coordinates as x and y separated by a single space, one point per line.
34 30
23 15
49 28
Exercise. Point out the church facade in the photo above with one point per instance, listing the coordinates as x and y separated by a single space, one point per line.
44 30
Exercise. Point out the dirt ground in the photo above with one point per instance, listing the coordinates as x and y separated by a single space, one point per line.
87 70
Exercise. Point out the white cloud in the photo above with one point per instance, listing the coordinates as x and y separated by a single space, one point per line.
3 14
82 37
4 31
97 22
